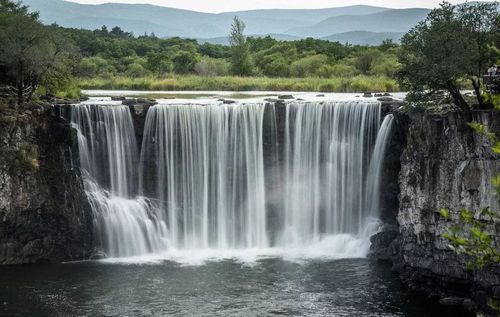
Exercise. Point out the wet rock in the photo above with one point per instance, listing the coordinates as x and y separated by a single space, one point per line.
44 212
98 255
286 97
228 102
273 100
367 95
320 95
452 301
445 164
385 99
118 98
129 102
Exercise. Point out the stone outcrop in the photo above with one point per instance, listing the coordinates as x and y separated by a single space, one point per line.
444 164
44 213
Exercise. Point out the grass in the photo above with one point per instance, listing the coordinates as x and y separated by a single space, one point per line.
360 83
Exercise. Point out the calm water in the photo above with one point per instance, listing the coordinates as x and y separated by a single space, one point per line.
354 287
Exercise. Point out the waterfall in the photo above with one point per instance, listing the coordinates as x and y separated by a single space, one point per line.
126 225
325 168
372 197
207 162
232 176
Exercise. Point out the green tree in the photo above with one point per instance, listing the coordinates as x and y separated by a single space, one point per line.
30 55
478 21
158 63
241 64
449 46
184 62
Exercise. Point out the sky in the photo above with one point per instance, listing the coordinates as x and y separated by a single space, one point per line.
236 5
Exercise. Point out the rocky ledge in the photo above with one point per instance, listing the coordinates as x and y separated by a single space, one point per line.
444 164
44 213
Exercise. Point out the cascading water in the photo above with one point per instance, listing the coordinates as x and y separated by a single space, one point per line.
202 178
372 197
209 171
125 225
325 168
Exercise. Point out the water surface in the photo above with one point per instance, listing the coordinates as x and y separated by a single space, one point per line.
267 287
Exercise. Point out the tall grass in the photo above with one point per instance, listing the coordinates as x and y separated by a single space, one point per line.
360 83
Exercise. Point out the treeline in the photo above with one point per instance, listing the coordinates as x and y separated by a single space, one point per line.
106 53
56 60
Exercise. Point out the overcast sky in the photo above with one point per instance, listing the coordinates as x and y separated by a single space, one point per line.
233 5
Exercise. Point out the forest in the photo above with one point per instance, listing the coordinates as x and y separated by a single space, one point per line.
56 60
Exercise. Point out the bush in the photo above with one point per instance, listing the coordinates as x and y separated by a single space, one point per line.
212 67
135 70
308 66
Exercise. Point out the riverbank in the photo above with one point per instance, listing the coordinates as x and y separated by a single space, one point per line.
360 83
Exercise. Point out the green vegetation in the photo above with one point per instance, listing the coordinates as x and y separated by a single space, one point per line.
233 83
30 54
117 60
60 61
454 44
241 64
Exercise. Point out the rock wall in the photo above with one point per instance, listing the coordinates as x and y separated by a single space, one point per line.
44 213
444 164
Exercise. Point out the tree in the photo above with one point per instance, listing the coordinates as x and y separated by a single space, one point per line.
158 63
478 27
241 64
184 62
432 55
449 46
30 55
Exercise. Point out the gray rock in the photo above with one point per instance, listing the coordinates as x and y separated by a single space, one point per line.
273 100
228 102
286 97
118 98
44 212
452 301
444 164
98 255
367 95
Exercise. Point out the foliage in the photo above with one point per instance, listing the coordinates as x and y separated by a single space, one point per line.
31 55
452 44
241 64
477 242
192 82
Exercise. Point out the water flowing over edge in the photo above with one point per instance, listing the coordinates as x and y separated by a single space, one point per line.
143 220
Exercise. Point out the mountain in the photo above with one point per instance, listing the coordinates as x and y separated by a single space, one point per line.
364 37
283 24
401 20
224 40
309 15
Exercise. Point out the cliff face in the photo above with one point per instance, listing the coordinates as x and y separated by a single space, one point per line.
44 213
444 164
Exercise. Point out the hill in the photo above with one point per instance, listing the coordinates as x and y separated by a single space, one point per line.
364 37
394 20
281 24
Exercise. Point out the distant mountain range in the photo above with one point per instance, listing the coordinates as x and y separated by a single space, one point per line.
358 24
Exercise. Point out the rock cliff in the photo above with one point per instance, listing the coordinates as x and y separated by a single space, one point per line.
44 213
444 164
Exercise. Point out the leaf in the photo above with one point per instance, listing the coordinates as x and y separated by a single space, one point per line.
466 215
444 213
